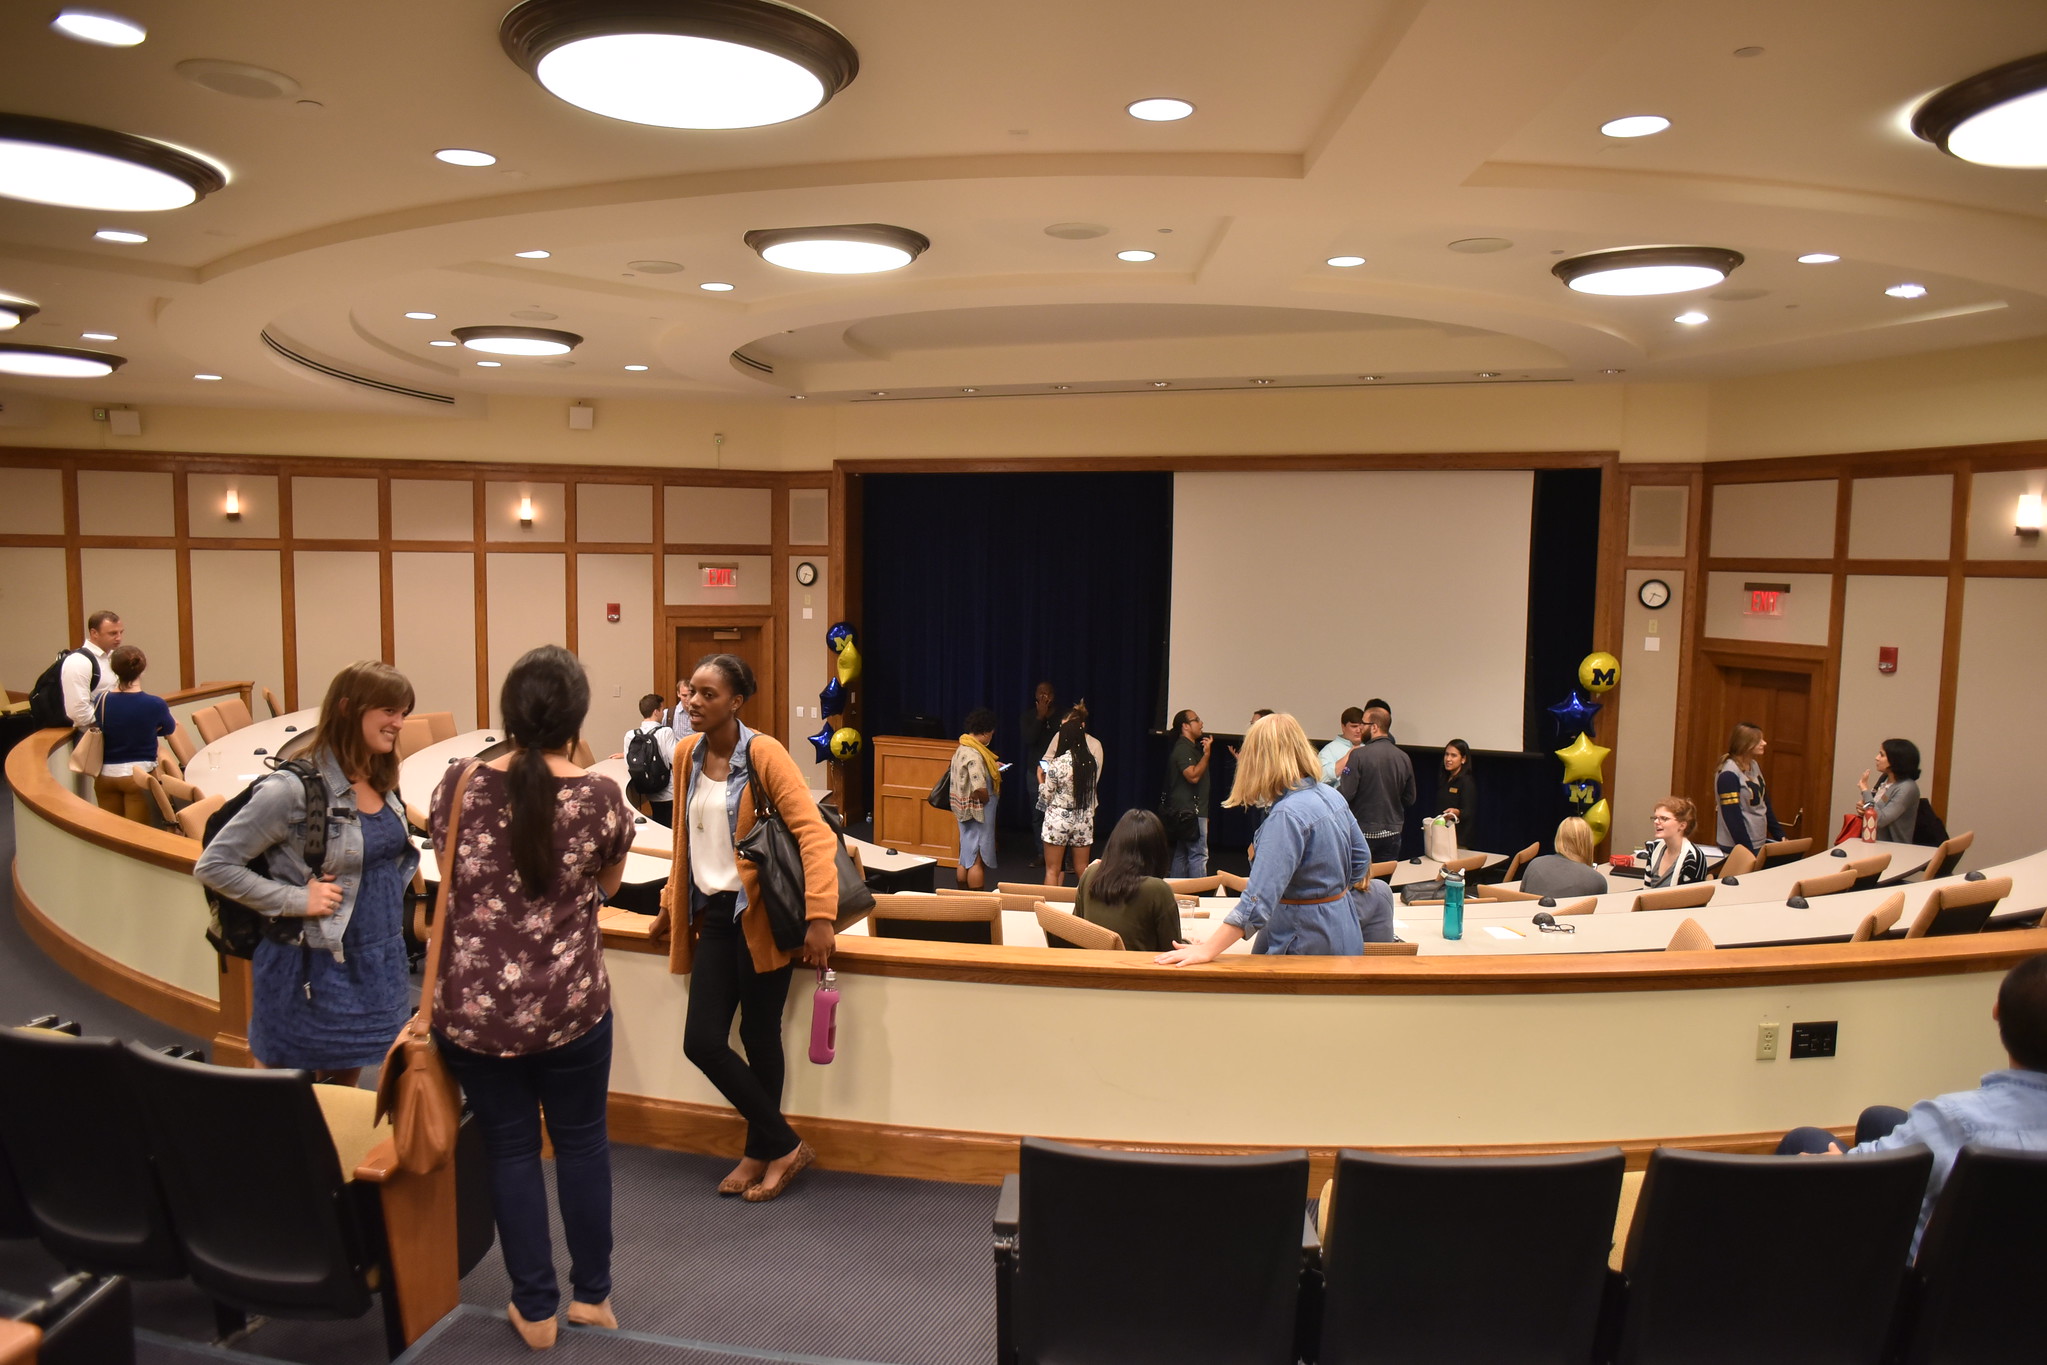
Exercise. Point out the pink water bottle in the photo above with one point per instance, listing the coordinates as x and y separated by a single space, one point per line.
824 1017
1869 824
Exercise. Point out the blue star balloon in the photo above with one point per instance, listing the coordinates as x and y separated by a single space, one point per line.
822 742
1575 714
839 636
832 701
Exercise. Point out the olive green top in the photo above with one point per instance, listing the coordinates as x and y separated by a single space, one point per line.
1148 923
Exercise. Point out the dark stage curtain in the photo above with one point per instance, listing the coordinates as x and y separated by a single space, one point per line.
979 585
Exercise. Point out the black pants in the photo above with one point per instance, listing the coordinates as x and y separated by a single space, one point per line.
662 813
723 983
1385 850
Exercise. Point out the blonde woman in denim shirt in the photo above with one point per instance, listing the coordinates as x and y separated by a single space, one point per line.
332 1002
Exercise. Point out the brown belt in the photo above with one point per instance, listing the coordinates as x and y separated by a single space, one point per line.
1323 901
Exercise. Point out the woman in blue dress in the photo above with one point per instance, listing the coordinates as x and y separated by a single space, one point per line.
1302 895
329 986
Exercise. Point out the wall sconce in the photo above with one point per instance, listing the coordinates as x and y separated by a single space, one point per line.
2029 516
234 505
526 512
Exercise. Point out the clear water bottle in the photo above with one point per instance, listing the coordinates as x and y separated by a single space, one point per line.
1453 905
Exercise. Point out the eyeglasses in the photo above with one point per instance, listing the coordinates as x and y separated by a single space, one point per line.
1558 928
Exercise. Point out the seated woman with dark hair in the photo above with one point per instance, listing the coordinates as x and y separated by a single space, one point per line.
1568 871
1124 892
1895 793
1673 860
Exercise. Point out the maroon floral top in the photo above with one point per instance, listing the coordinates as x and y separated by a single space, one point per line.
520 976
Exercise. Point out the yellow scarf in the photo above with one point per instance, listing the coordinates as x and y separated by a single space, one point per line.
988 758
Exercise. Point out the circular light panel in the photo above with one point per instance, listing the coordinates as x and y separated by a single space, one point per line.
846 249
78 166
533 255
422 317
56 362
1646 270
209 378
1137 255
1160 110
521 341
636 367
1691 319
717 286
490 364
99 336
99 27
121 235
465 156
1818 258
442 343
1907 291
1995 118
14 312
1346 262
1635 125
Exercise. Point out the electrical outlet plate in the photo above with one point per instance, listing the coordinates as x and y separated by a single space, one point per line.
1768 1039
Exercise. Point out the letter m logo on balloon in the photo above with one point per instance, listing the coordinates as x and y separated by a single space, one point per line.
1603 678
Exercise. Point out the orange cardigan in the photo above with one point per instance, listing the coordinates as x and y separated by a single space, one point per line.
786 788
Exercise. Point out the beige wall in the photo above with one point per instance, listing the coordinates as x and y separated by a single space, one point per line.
719 516
237 622
619 657
339 617
334 509
32 604
1652 643
683 581
615 512
1807 609
1910 613
31 502
1901 518
811 663
501 504
2000 724
433 509
1774 520
206 505
142 586
1993 504
122 502
526 607
433 618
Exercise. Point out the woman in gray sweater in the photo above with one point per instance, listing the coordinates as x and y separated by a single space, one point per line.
1895 793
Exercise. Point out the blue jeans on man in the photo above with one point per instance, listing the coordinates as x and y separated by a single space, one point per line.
1190 857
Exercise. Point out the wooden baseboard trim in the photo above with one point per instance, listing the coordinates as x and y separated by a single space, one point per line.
186 1011
979 1158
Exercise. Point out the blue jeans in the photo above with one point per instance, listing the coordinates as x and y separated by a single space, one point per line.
1190 858
571 1084
1876 1121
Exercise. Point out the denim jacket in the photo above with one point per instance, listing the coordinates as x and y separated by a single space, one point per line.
735 783
275 819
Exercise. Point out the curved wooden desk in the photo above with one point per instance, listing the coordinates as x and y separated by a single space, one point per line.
948 1052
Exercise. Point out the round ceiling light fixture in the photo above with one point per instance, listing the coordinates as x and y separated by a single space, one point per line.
1345 262
98 27
1818 258
14 312
681 63
1995 118
1640 270
533 255
1137 255
1635 125
524 341
1907 291
56 362
847 249
465 156
121 235
1160 110
78 166
716 286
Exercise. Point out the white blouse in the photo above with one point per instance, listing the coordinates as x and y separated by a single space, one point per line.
712 864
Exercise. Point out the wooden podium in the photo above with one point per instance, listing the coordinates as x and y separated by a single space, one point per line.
904 770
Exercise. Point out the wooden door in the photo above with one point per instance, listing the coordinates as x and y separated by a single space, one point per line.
747 635
1778 696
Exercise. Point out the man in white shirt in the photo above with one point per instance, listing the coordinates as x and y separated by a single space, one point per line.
82 689
1336 750
660 804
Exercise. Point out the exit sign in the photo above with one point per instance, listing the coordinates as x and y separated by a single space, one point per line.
721 576
1763 602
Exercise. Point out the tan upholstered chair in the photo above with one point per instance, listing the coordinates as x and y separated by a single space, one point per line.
414 736
1391 949
1467 866
582 755
270 700
206 720
1690 938
1948 856
441 724
1232 883
968 893
192 819
1784 850
1738 863
1879 921
1058 895
1519 861
1831 884
1959 908
947 919
1063 930
1584 907
1502 893
234 713
1195 886
1870 870
182 747
1675 897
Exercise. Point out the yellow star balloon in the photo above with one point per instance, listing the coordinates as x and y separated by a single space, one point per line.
1600 818
1582 759
849 663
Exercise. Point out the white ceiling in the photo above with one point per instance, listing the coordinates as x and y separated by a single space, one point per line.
1381 128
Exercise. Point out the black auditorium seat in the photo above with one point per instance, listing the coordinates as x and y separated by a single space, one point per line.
1982 1260
1767 1260
1105 1258
82 1320
1411 1240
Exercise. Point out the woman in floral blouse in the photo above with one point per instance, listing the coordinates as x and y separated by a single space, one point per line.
522 1010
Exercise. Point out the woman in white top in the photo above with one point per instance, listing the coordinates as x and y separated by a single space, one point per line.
1895 793
1072 775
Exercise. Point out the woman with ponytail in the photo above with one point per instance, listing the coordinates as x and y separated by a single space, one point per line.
1072 772
522 1009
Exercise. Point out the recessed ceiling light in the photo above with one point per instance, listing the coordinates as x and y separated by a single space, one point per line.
636 367
523 341
121 235
1160 110
1907 291
97 26
1137 255
209 378
443 343
1692 319
490 364
535 315
1077 232
1345 262
1613 371
681 63
465 156
75 165
879 393
1640 270
14 312
56 362
1261 381
1162 383
717 286
1635 125
655 267
969 390
799 396
1479 246
422 317
844 249
1368 377
1818 258
1995 118
1488 374
99 336
533 255
1061 388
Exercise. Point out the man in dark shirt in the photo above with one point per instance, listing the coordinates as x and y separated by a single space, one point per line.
1187 791
1378 781
1036 730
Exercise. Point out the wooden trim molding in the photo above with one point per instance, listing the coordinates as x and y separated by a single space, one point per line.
181 1009
28 772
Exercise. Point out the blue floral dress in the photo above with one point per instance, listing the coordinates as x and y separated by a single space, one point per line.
311 1011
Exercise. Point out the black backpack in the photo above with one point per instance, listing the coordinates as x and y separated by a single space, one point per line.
643 760
46 698
1927 828
235 929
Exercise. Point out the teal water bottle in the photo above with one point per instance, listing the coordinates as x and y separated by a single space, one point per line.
1453 905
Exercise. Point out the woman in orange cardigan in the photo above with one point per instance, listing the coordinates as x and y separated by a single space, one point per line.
721 939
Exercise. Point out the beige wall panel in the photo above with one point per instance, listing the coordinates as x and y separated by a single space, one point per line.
237 620
810 516
615 512
206 505
1656 519
339 615
1901 518
141 585
683 580
1774 520
32 604
433 610
31 502
1910 613
120 502
811 663
619 657
1808 608
528 606
501 512
1652 642
718 516
433 509
334 509
1993 509
2000 726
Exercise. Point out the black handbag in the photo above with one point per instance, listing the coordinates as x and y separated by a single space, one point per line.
777 857
1181 823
